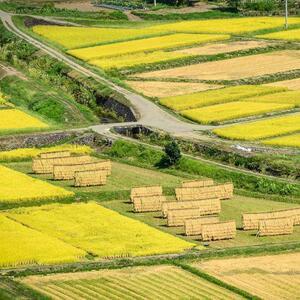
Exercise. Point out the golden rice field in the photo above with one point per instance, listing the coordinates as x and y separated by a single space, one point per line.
28 153
14 119
292 140
234 68
98 230
288 97
288 35
78 37
292 84
262 129
160 89
233 110
17 187
154 282
154 43
232 25
21 245
218 48
131 60
269 277
235 93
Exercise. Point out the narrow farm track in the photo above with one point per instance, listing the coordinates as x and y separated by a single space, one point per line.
148 113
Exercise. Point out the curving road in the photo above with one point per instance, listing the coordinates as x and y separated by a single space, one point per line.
149 113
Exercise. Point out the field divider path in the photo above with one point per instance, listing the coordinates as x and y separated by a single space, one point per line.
147 112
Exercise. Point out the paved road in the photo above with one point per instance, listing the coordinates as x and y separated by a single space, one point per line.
149 113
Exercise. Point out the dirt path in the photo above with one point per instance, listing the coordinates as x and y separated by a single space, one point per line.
9 71
131 16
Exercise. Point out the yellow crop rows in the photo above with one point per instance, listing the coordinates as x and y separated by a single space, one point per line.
154 43
131 60
233 25
14 119
98 230
232 110
18 187
77 37
292 140
289 35
27 153
21 245
261 129
219 96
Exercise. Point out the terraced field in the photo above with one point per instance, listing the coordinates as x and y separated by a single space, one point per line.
160 89
158 282
262 129
293 84
288 35
233 69
268 277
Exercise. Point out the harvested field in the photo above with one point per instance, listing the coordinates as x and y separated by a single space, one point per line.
293 84
262 129
160 89
155 282
235 68
233 110
218 96
292 140
98 230
219 48
154 43
270 277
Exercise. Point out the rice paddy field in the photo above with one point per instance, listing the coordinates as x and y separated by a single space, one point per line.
262 129
160 89
16 120
288 35
98 230
217 96
292 84
156 282
267 277
233 110
233 69
17 187
21 245
292 140
154 43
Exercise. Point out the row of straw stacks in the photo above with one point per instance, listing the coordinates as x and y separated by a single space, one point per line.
272 223
63 166
197 204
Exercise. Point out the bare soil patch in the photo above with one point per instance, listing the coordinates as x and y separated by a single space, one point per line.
86 6
212 49
293 84
235 68
161 89
269 277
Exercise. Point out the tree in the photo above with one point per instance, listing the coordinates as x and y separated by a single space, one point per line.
172 153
